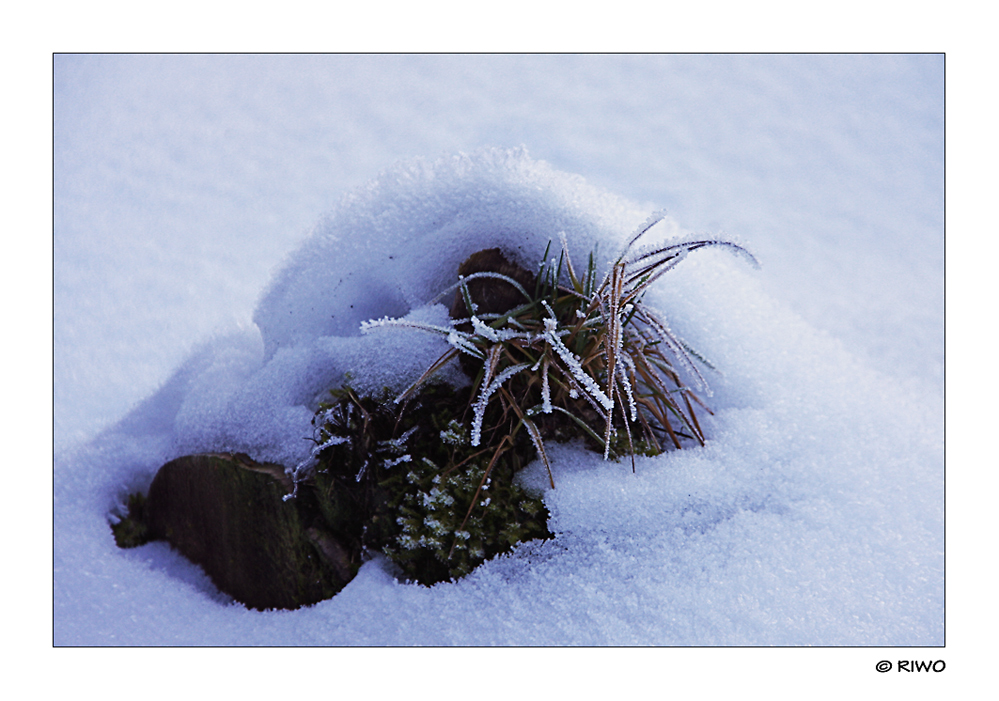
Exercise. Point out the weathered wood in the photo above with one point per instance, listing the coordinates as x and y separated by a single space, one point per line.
227 513
491 295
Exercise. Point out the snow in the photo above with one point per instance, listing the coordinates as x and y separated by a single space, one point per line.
191 314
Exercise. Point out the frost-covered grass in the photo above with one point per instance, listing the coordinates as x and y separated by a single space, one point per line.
572 341
812 514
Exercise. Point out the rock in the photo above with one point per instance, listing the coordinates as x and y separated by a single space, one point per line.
226 513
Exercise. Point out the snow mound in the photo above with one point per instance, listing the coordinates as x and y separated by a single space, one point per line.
393 245
812 516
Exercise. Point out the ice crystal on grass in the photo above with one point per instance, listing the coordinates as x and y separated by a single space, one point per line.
577 350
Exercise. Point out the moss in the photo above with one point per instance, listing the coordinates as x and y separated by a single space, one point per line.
131 531
410 485
434 527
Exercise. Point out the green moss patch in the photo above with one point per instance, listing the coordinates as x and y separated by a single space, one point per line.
409 484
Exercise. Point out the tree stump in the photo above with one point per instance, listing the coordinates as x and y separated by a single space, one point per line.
227 513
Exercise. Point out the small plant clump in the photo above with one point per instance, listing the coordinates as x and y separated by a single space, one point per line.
592 352
566 356
130 530
400 483
428 478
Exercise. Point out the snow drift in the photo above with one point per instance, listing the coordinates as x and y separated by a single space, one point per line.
813 516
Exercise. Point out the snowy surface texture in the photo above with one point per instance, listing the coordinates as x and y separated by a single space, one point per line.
197 310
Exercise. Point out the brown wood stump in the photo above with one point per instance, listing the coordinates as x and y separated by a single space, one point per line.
227 513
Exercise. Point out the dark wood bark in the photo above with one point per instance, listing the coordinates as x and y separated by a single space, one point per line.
227 513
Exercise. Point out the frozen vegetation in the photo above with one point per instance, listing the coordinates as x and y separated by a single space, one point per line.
813 515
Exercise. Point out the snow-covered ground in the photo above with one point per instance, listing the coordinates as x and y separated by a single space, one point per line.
224 223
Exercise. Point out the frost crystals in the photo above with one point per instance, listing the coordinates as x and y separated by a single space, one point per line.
572 340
